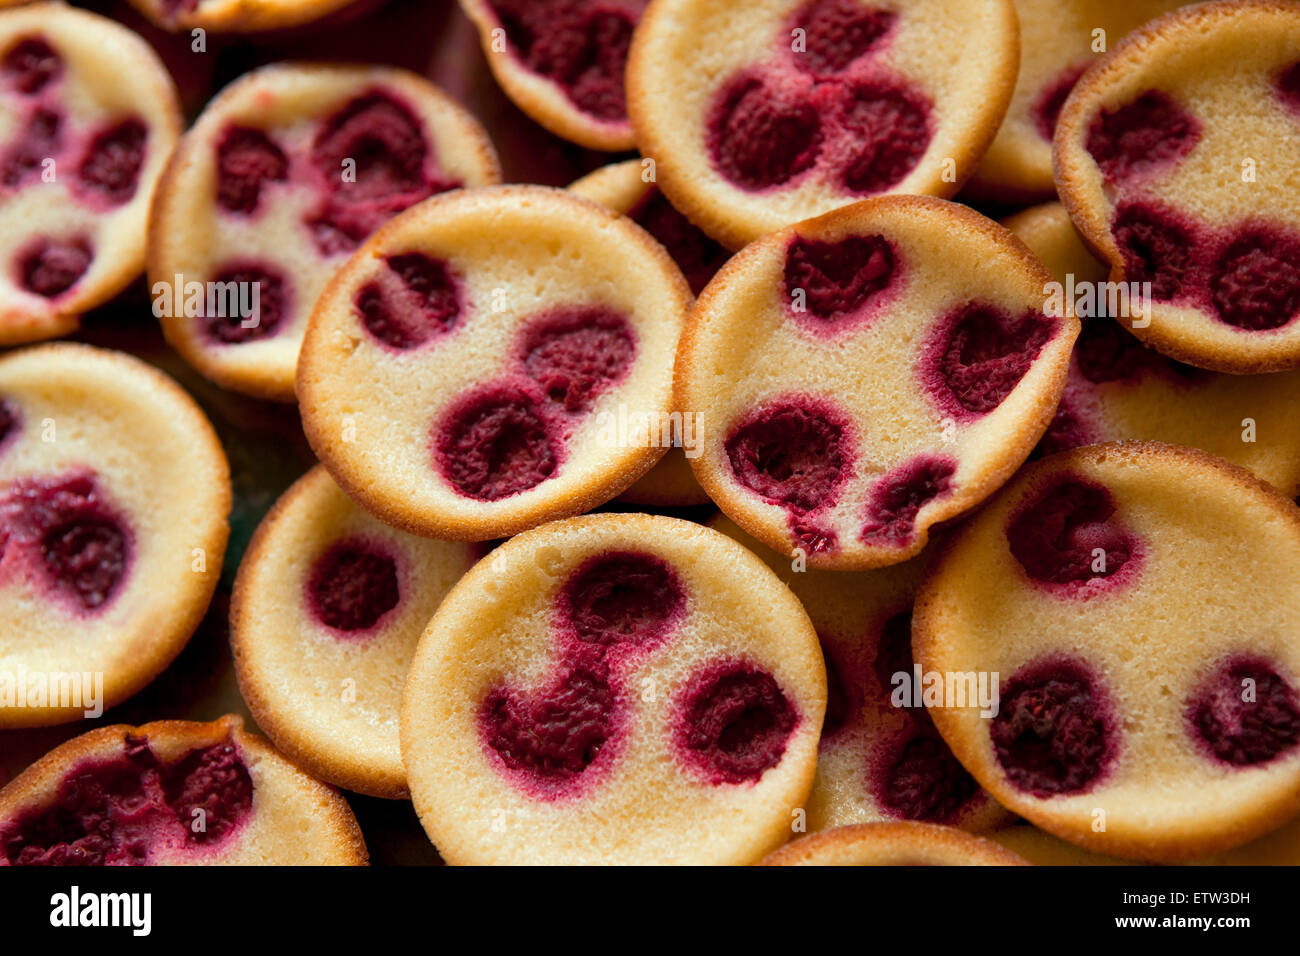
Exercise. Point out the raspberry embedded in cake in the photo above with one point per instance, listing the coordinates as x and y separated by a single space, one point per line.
109 171
64 528
266 293
888 129
1068 536
1156 247
1141 137
733 722
838 32
1256 283
247 160
550 738
353 586
794 453
1053 734
50 268
925 781
416 300
838 279
979 354
497 442
1047 107
574 353
698 256
760 136
622 598
1246 713
30 65
898 496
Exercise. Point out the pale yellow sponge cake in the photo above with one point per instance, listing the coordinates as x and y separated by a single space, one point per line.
868 374
1135 720
114 496
880 757
1175 156
893 844
492 359
762 113
587 694
283 175
173 793
88 117
328 606
242 16
1119 388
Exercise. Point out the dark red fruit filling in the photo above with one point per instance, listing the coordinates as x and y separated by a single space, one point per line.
622 598
982 353
1242 731
497 444
925 781
1288 86
698 256
557 733
894 651
889 130
575 353
837 32
1055 536
840 704
1047 108
1051 734
114 812
40 139
272 305
352 586
812 537
427 302
792 454
581 47
1155 248
83 546
247 158
837 278
386 142
111 165
758 138
736 722
1141 136
1256 284
29 65
899 495
50 267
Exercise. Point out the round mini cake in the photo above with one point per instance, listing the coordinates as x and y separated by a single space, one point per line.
327 610
585 696
1059 40
893 844
1175 158
623 187
868 374
280 179
1119 388
239 16
880 757
763 113
114 493
1134 720
492 359
173 793
562 63
88 116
